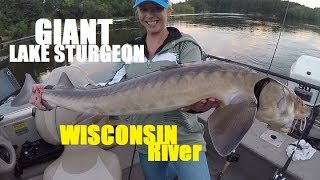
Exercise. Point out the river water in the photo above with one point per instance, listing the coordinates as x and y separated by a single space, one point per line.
248 39
253 40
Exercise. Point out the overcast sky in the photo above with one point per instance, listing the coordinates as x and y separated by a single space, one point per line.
309 3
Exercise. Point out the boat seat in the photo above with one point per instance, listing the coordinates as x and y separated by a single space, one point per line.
80 161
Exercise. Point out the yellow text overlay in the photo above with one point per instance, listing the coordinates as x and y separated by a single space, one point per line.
164 152
121 134
161 139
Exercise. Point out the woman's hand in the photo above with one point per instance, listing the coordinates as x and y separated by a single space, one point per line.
36 98
202 105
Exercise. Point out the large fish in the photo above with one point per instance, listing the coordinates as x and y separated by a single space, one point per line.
244 95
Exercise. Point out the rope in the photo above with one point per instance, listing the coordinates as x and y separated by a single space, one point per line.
302 127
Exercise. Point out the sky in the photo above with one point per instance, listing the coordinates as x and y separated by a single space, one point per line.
309 3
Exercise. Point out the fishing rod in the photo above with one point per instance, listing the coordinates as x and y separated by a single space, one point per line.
282 28
132 159
265 71
231 158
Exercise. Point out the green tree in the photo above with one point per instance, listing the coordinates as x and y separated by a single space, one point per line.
269 7
182 8
18 16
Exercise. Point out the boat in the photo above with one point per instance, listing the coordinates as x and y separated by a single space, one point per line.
30 146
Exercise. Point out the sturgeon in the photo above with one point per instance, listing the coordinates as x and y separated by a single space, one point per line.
245 95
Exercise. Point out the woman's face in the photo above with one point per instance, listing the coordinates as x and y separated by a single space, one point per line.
153 17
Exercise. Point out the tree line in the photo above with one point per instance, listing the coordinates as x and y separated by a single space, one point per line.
264 7
17 17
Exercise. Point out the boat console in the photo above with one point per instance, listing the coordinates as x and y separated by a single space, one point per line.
9 85
36 152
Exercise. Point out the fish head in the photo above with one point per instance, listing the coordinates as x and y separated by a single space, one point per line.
279 106
301 111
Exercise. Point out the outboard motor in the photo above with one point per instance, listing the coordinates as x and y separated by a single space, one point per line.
306 68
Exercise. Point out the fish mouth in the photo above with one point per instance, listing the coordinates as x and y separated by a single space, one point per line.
306 114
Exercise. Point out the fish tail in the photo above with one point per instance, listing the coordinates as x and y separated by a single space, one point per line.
25 92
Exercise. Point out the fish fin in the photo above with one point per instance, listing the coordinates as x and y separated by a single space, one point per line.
47 105
64 82
166 68
228 125
25 92
83 118
92 116
49 87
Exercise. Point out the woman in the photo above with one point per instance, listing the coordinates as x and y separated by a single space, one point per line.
165 46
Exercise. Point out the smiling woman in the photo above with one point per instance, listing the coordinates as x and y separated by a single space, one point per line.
165 46
154 19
